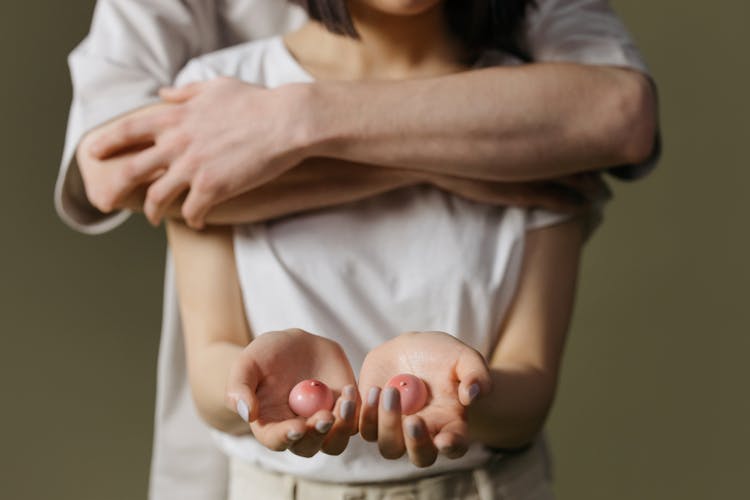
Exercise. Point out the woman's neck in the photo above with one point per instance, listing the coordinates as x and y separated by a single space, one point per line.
390 47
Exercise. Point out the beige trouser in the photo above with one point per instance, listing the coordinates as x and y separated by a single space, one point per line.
518 477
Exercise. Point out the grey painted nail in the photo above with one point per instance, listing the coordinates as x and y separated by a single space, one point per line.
391 399
323 426
473 391
372 396
414 431
347 409
243 410
350 392
294 435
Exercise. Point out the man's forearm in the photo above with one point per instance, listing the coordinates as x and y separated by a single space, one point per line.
316 183
323 182
530 122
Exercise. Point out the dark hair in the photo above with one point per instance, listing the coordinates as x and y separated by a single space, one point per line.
478 24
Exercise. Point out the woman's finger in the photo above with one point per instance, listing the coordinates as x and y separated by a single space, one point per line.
368 422
279 436
473 376
243 380
422 452
345 425
453 439
390 434
318 427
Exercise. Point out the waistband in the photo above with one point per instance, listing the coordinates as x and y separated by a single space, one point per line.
524 475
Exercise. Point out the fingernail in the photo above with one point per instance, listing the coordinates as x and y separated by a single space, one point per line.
323 426
372 396
414 431
347 409
350 392
391 399
446 450
243 410
473 391
294 435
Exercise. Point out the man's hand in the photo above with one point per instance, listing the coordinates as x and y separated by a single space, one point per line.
455 375
267 370
215 139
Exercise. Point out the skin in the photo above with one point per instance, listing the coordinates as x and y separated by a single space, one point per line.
300 188
223 138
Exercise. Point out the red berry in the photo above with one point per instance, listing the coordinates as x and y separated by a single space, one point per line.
310 396
413 392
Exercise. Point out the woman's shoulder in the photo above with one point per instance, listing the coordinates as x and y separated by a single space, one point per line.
252 62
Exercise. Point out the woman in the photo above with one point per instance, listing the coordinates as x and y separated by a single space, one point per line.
116 74
499 280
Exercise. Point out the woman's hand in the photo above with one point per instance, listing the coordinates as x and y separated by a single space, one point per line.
455 375
269 367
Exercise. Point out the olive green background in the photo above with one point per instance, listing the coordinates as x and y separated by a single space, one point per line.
653 401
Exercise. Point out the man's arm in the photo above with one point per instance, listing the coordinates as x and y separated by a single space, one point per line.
532 122
598 116
133 48
323 182
543 120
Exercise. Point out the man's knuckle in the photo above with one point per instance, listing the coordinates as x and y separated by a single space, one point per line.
101 199
124 129
157 195
131 168
208 182
173 142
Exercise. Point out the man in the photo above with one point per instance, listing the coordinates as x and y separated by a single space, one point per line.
496 135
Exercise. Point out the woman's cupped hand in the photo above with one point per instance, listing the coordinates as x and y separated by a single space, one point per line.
269 368
266 372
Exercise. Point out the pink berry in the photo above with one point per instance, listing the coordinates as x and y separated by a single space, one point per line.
413 392
310 396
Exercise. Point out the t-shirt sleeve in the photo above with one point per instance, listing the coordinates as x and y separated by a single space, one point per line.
587 32
133 48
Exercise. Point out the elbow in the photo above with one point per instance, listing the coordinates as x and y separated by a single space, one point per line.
635 119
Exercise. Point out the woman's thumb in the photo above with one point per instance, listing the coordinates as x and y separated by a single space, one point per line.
473 377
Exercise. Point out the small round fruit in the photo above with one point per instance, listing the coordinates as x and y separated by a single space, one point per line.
309 397
413 392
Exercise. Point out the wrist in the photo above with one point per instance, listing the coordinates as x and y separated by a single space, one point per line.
516 409
321 111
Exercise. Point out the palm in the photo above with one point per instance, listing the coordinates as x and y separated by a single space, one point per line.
285 358
431 356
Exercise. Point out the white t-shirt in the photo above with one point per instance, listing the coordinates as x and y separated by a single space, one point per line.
415 259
